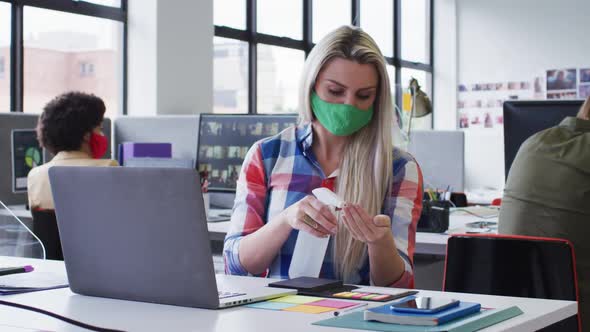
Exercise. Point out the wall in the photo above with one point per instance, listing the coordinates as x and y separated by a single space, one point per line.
170 61
445 65
504 40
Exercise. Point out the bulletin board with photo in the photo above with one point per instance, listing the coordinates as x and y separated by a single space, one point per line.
480 104
584 87
562 83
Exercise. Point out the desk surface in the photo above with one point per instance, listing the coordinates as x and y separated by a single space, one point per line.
137 316
426 243
18 210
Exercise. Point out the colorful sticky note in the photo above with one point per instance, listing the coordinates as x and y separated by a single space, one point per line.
309 309
271 305
359 295
297 299
336 304
370 296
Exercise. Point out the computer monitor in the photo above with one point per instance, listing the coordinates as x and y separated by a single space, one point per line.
224 141
522 119
26 154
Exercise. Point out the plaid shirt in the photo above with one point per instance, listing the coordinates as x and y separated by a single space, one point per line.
281 170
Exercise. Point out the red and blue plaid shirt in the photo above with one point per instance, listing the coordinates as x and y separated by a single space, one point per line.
281 170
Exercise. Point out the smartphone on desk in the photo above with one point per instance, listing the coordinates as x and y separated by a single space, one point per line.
426 305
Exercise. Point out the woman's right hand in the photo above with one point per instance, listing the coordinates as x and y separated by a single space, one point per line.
312 216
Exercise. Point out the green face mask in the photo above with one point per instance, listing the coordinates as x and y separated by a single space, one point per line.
340 119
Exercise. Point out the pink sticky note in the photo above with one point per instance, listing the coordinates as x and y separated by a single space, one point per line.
334 304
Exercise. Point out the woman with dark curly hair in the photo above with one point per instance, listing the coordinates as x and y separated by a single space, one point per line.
69 128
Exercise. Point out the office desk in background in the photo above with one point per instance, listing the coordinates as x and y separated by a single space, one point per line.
426 243
429 254
139 316
19 210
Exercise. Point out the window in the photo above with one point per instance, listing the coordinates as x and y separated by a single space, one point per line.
329 15
66 45
86 69
377 20
416 30
391 75
111 3
57 45
280 18
279 69
5 22
230 13
274 37
230 76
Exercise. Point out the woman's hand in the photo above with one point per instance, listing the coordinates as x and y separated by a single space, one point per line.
363 227
312 216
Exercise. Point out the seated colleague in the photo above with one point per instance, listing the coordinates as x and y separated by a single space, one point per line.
548 192
70 128
344 142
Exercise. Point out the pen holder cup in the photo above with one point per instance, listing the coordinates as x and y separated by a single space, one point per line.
434 217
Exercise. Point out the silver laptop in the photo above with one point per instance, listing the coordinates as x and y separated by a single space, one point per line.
215 215
140 234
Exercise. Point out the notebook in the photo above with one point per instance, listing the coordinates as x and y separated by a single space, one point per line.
474 322
385 314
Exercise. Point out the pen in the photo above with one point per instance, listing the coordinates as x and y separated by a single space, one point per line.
354 307
13 270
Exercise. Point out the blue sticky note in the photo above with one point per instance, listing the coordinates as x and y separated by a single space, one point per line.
271 305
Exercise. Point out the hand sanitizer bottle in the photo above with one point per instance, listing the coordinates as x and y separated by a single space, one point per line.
310 251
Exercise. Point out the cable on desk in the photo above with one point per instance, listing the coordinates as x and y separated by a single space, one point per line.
54 315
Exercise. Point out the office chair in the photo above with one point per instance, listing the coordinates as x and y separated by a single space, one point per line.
45 227
522 266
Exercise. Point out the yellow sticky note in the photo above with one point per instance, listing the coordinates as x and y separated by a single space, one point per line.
309 309
297 299
407 102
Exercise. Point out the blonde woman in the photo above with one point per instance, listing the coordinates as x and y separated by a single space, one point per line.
344 142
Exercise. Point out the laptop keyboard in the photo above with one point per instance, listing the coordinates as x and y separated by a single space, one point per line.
225 295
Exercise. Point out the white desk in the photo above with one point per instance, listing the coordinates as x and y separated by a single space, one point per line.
137 316
426 243
18 210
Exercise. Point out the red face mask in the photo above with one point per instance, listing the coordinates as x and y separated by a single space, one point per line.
98 145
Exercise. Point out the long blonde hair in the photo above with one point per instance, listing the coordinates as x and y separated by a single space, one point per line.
366 166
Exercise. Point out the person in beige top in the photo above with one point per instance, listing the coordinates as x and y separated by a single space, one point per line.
69 128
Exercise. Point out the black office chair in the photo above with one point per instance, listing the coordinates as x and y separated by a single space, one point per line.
522 266
45 227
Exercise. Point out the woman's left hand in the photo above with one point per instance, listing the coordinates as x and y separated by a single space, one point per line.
363 227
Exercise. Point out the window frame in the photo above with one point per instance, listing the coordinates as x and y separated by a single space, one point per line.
118 14
253 38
